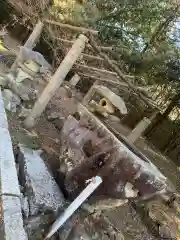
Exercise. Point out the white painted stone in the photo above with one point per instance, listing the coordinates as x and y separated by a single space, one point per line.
12 218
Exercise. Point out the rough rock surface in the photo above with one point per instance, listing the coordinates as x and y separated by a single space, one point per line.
11 101
42 190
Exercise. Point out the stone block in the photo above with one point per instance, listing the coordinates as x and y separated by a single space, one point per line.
43 192
8 173
12 218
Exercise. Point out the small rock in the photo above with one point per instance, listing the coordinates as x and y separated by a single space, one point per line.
24 112
129 191
11 101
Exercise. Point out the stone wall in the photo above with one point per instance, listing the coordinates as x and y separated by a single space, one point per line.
12 222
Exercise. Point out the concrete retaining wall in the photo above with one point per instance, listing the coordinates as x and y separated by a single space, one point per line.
11 222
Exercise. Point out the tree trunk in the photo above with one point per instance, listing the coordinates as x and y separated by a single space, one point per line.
172 142
161 28
160 117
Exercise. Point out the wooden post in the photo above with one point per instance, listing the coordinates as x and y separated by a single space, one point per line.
138 130
30 43
56 80
35 35
88 97
74 80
